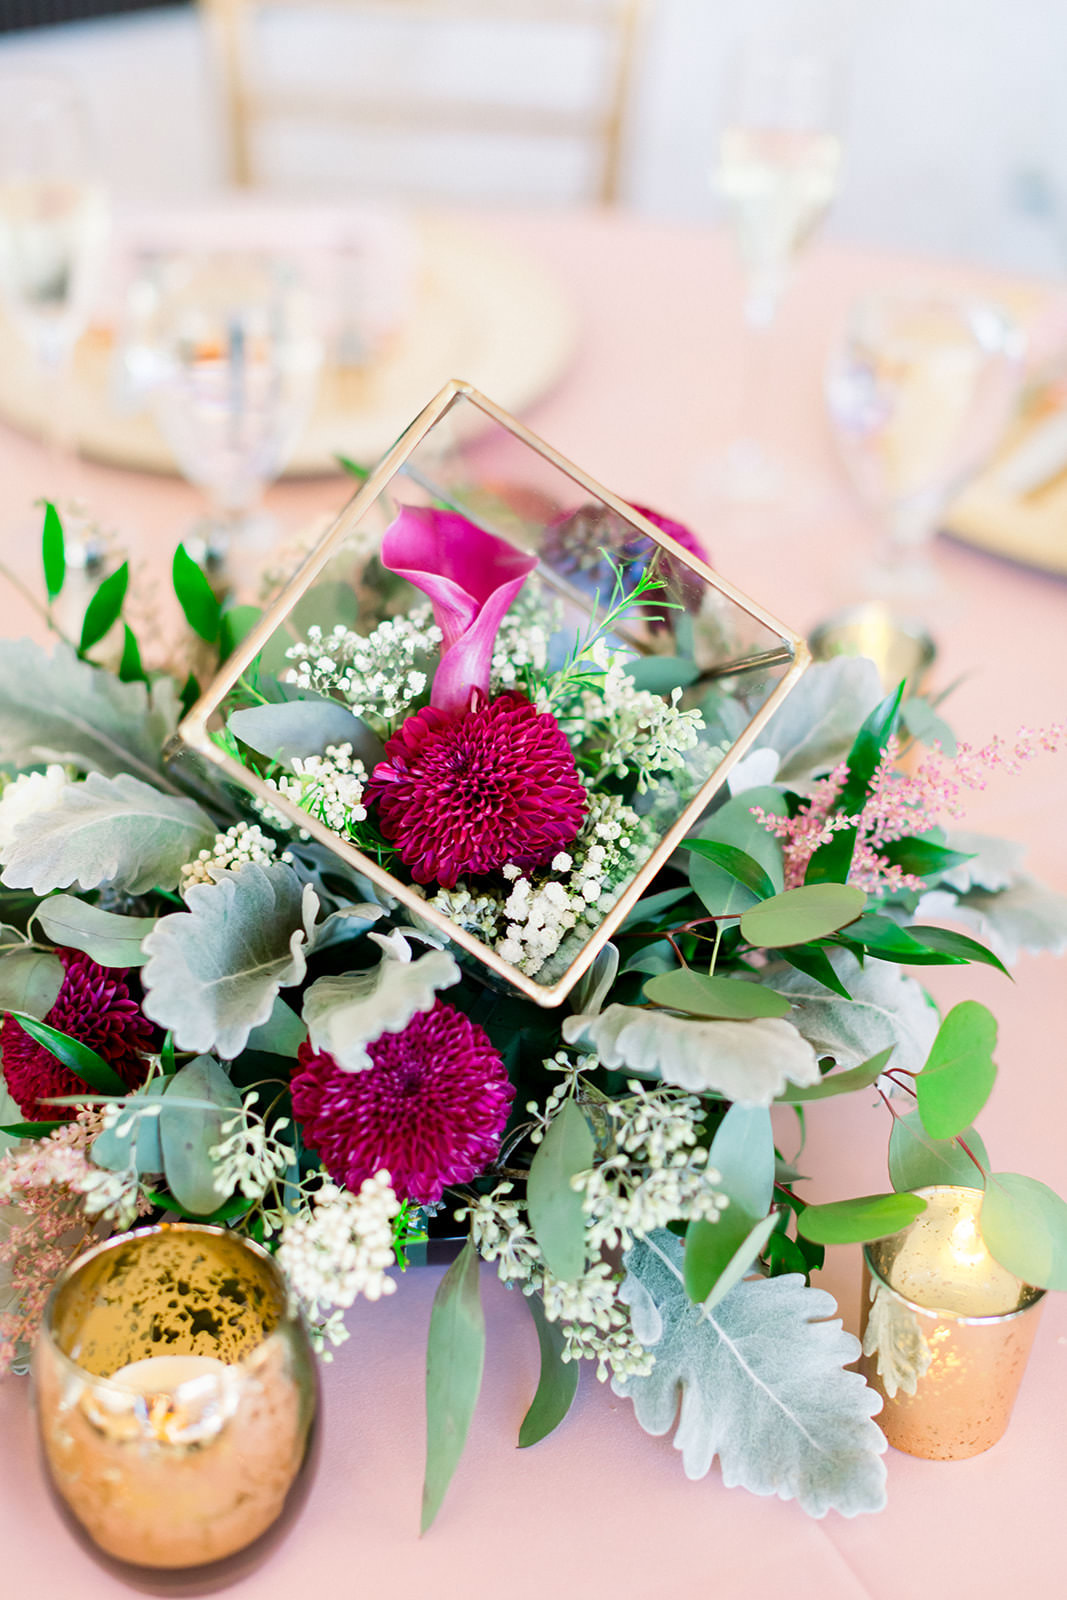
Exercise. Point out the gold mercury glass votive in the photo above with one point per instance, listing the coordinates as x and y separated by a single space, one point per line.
946 1330
176 1397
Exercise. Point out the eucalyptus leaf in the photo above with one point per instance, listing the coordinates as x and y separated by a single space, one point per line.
834 1083
347 1012
110 939
799 915
916 1161
298 728
719 1254
213 971
869 1216
107 830
887 1008
282 1034
959 1073
555 1208
1024 1225
800 1428
704 996
749 1062
653 959
30 981
132 1142
742 1151
59 708
558 1383
721 893
455 1357
187 1134
661 674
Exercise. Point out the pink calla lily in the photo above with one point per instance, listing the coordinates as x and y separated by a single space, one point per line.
471 578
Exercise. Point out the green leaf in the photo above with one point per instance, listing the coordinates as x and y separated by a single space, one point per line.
922 857
733 824
53 551
238 1206
834 1083
959 1073
867 752
166 1054
78 1058
799 915
737 863
111 940
812 960
718 1254
196 596
1024 1225
760 1380
557 1384
923 723
704 996
190 694
455 1357
661 674
304 728
281 1035
235 625
652 907
187 1133
30 981
743 1152
555 1209
29 1130
362 473
107 830
137 1145
884 939
213 971
131 669
104 608
832 862
869 1216
916 1161
959 945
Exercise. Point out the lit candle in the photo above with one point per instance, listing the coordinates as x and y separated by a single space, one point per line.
947 1330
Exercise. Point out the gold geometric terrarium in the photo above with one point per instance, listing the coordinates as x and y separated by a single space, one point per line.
683 648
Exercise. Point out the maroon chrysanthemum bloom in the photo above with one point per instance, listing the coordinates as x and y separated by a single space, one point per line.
431 1110
93 1005
468 794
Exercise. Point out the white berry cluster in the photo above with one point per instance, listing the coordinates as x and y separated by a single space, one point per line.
380 674
250 1157
242 843
329 787
634 731
594 1321
338 1247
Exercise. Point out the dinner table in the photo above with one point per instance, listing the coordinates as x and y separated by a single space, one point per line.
652 390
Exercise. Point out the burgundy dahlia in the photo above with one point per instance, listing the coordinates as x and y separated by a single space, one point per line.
431 1110
470 793
93 1005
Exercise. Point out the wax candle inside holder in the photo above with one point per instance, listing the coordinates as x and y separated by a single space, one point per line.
176 1399
947 1330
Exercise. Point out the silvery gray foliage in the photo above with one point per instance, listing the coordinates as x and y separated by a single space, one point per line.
111 940
814 727
57 708
107 830
887 1008
747 1062
995 863
214 970
761 1382
304 727
345 1013
1025 916
594 986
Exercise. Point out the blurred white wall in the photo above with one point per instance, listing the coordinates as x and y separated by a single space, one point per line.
956 139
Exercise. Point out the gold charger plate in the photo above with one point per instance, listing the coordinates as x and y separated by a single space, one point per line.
1030 529
479 310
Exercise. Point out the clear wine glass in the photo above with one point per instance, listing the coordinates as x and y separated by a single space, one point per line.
919 390
776 170
238 360
53 236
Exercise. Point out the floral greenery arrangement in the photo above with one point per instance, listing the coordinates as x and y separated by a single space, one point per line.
208 1015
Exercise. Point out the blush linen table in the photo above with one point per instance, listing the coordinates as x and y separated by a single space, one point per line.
599 1509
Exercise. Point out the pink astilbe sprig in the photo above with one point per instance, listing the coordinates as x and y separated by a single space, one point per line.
60 1196
899 805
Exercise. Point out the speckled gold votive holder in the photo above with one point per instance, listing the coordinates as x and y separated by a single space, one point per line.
176 1396
946 1330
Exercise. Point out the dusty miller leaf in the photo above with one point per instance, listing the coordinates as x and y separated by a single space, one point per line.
59 708
107 830
887 1008
346 1013
816 724
747 1062
213 971
895 1337
762 1385
995 863
1027 916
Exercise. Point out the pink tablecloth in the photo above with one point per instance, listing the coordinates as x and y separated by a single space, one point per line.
599 1509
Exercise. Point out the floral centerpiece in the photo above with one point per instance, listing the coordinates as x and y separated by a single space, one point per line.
212 1012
